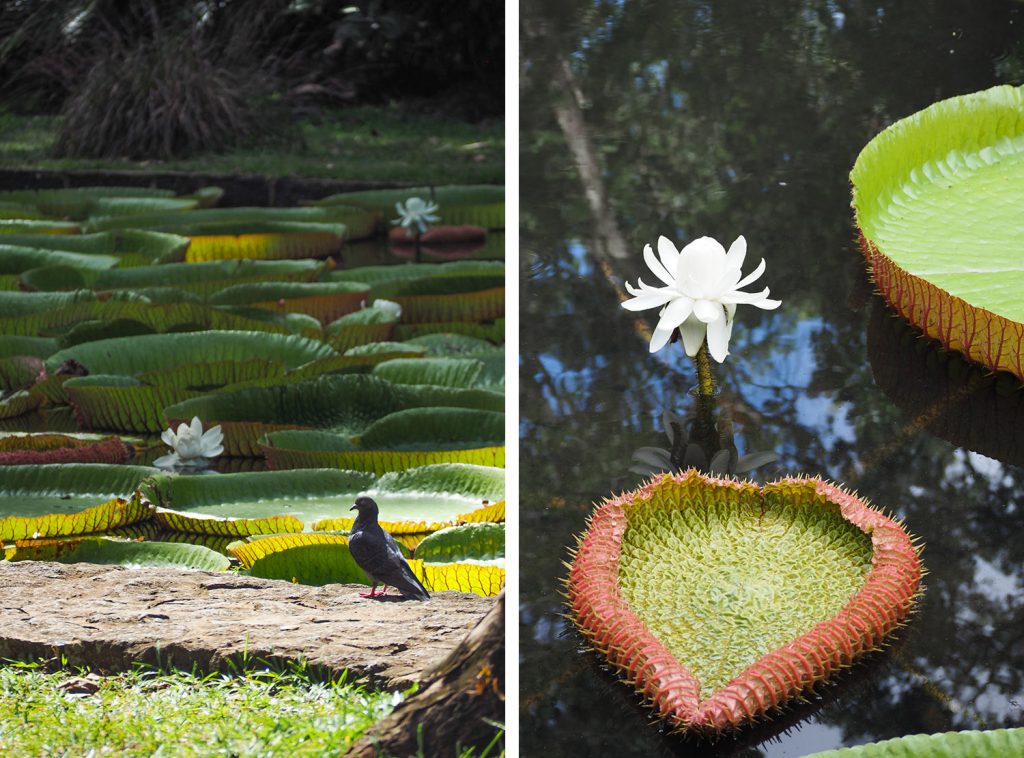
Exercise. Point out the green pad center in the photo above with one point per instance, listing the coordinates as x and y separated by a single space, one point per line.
721 584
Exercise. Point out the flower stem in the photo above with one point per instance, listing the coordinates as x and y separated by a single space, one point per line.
705 431
705 379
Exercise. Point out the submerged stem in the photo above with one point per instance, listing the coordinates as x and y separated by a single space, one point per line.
706 427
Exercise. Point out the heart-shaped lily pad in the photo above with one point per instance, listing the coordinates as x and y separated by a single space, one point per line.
721 601
937 198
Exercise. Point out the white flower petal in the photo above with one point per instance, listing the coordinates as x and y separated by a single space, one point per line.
751 277
703 260
676 312
169 437
656 268
718 339
183 430
660 338
737 252
166 461
766 304
653 298
196 427
744 298
692 331
668 254
707 311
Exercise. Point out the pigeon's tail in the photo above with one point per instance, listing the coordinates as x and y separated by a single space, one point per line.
410 586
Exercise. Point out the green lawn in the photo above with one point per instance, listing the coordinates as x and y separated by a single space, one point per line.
148 712
364 143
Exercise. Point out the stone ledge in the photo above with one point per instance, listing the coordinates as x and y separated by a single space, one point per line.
108 617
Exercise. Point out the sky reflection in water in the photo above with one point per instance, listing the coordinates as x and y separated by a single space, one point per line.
744 118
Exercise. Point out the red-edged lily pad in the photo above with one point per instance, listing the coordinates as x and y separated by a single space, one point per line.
440 235
721 601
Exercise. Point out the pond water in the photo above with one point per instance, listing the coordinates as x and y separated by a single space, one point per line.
728 118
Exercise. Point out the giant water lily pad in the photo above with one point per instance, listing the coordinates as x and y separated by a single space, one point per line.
968 744
118 552
320 559
68 499
937 198
720 601
432 495
342 403
261 498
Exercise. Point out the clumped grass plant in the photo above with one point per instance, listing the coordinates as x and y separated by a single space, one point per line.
266 711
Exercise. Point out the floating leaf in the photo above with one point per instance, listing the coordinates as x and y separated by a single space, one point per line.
441 372
492 332
220 526
315 559
155 352
487 581
481 542
481 204
790 583
325 301
105 550
937 199
465 480
32 449
132 247
493 513
100 518
969 744
18 404
260 497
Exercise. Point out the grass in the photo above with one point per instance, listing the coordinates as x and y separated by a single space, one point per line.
149 712
353 144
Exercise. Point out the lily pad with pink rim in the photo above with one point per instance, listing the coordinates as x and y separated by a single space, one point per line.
720 601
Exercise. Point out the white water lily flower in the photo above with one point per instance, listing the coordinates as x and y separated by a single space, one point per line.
701 292
393 309
416 212
191 445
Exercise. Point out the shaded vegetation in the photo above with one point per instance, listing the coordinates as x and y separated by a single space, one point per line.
360 143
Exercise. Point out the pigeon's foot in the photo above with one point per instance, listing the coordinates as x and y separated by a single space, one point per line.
373 592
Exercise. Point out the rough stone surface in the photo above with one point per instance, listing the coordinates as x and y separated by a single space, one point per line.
107 617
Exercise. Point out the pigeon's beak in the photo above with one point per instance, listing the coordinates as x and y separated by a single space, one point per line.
354 508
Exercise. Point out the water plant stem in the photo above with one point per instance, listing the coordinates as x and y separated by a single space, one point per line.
706 428
705 379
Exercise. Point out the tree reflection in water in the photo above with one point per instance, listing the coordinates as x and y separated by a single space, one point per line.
722 118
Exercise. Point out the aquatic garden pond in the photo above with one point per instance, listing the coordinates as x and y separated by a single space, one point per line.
650 118
179 380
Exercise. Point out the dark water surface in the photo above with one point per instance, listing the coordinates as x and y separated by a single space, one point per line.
728 118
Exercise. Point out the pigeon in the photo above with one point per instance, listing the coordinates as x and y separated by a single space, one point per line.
376 552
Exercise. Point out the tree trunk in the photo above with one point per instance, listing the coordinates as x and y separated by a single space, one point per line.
458 704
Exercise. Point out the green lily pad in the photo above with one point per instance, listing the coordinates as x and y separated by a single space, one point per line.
721 601
117 552
65 488
937 199
971 744
343 403
155 352
425 496
479 542
132 247
400 440
441 372
258 497
479 205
